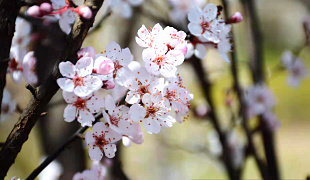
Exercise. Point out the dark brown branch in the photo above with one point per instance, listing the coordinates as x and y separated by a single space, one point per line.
239 91
207 90
45 92
32 90
257 68
63 147
8 15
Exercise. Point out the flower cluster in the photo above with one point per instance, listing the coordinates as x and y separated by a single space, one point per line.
154 93
63 10
208 29
295 67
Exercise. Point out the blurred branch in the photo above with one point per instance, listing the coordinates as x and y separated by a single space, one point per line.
63 147
258 77
8 15
234 70
45 92
207 90
1 144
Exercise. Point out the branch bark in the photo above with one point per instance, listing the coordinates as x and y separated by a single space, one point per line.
234 70
45 92
8 14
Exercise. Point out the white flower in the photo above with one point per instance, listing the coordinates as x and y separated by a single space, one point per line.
224 45
22 35
78 78
296 68
8 105
259 100
157 62
15 67
124 6
146 38
97 172
101 139
81 108
29 68
86 52
204 22
197 49
121 59
141 83
154 114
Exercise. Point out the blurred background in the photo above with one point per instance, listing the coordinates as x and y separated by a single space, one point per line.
188 150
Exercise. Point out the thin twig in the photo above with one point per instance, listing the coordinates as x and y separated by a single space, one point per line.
32 90
239 91
63 147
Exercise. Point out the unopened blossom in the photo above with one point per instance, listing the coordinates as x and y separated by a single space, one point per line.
97 172
121 59
8 105
81 109
103 66
154 114
84 11
101 139
123 7
204 22
236 18
157 62
142 83
259 99
77 78
29 68
296 68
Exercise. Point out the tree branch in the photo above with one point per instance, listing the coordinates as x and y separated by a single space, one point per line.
8 15
45 92
258 77
63 147
239 91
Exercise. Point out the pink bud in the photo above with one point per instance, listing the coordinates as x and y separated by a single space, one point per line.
106 66
182 48
201 110
236 18
108 84
46 8
34 11
84 12
87 52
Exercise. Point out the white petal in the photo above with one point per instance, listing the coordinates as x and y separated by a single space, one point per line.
200 51
147 99
132 97
109 103
210 12
90 140
225 57
99 127
109 150
94 104
84 66
151 125
195 29
65 84
95 153
85 118
195 15
69 97
67 69
126 10
70 113
137 112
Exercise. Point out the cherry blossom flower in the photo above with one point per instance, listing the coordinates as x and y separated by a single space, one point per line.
199 50
259 100
87 52
66 18
154 114
157 62
141 83
29 68
81 108
8 105
103 66
204 22
22 34
121 59
15 67
224 44
296 68
97 172
146 38
123 7
101 140
236 18
78 78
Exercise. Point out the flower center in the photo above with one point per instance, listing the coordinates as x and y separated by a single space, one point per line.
205 26
117 66
260 99
296 71
159 60
170 95
78 81
143 90
13 65
114 120
80 103
151 111
100 141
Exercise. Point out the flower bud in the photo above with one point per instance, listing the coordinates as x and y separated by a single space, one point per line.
182 48
46 8
236 18
84 12
34 11
106 66
108 84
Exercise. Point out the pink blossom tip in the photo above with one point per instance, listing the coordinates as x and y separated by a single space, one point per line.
105 67
84 12
108 84
34 11
46 8
236 18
